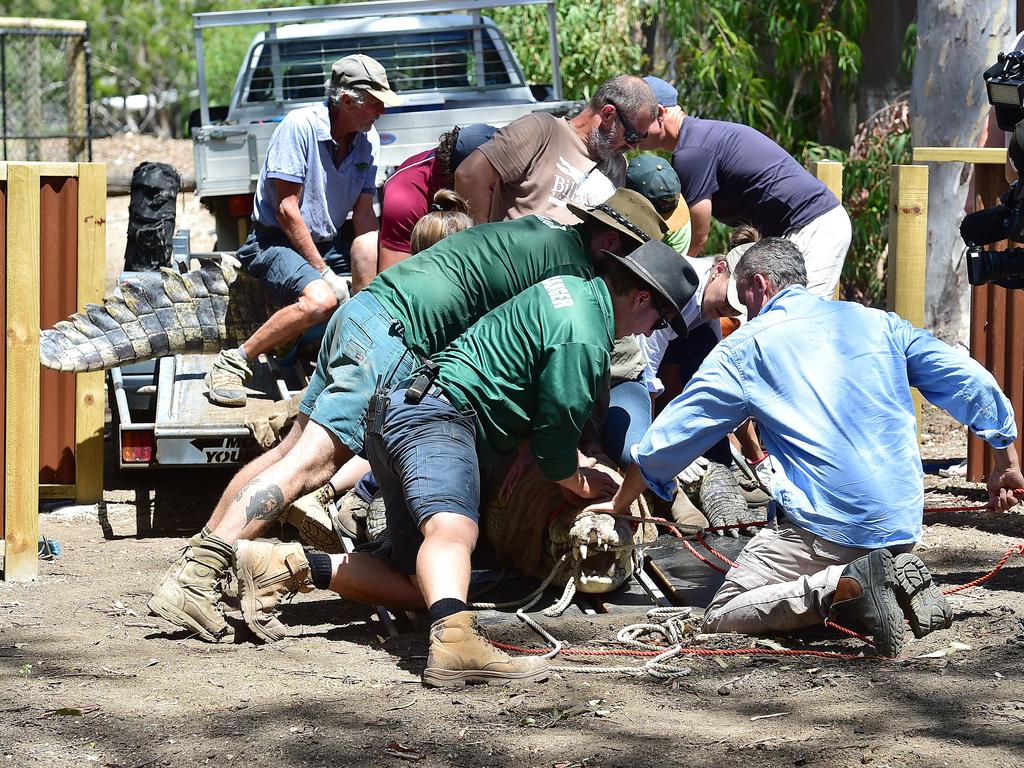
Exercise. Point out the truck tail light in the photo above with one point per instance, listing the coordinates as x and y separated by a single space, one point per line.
240 206
137 446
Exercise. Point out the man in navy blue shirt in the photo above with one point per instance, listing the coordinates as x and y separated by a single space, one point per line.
739 176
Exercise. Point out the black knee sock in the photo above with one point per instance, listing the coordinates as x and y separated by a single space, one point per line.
319 569
446 607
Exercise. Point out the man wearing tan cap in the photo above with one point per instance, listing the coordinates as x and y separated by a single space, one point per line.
321 165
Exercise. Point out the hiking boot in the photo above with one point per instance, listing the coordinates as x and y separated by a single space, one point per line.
924 605
268 573
225 382
312 517
461 654
191 590
866 594
349 516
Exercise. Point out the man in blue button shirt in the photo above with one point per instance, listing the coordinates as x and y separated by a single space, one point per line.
829 383
321 165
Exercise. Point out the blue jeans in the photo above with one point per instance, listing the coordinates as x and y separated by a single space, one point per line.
361 344
424 457
629 416
268 254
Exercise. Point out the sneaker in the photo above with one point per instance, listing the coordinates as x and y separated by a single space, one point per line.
225 382
190 593
866 594
312 517
267 574
461 654
924 605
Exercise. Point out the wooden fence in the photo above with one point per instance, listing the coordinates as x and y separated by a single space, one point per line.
52 251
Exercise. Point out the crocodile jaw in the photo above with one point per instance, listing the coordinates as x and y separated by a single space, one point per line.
600 547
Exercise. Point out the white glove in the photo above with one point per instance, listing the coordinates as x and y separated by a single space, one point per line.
337 283
763 470
694 472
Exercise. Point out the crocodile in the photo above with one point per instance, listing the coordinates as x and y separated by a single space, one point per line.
155 314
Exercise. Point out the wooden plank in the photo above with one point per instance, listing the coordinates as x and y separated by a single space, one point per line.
56 491
830 173
3 349
22 22
45 169
908 241
92 250
977 155
58 298
21 491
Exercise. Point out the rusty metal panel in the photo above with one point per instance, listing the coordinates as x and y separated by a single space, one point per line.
58 298
997 331
3 347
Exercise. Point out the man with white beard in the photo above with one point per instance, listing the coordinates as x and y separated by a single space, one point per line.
540 163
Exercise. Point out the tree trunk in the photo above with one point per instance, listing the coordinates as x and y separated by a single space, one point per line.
956 41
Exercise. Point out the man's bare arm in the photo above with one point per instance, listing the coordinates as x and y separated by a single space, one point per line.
389 257
700 226
474 179
290 218
364 246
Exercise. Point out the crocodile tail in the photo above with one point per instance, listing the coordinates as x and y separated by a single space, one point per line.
154 314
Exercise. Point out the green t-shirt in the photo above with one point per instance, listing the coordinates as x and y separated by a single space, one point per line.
531 369
440 292
679 239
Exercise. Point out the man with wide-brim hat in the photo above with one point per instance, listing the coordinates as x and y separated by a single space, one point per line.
320 166
527 372
409 312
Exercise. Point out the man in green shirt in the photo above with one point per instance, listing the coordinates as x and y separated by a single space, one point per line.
525 375
410 311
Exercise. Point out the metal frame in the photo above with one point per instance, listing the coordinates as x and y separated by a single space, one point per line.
277 16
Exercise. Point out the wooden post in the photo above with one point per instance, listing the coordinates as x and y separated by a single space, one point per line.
830 173
21 441
908 241
89 396
77 108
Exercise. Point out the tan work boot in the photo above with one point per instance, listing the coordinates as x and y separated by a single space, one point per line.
461 654
268 573
225 382
311 516
191 590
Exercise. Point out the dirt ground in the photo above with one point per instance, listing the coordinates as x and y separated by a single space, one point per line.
86 677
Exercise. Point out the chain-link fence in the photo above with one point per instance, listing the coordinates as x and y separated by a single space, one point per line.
44 90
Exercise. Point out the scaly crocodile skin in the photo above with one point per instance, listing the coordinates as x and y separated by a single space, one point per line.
154 314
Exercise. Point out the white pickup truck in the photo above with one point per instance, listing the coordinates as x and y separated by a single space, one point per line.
452 65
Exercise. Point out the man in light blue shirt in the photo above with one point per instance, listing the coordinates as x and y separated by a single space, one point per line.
321 165
829 383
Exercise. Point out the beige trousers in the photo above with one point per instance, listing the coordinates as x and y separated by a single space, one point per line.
783 579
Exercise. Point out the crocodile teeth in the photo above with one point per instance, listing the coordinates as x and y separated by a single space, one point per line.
583 551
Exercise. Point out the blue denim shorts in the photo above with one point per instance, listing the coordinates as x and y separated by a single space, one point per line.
268 255
360 344
425 460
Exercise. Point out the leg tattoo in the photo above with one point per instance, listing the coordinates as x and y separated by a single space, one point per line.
266 502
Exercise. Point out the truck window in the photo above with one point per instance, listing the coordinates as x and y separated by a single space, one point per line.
429 60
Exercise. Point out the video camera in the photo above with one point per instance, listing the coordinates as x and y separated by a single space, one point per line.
1004 83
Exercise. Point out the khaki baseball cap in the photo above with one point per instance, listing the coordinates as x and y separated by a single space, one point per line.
360 72
732 258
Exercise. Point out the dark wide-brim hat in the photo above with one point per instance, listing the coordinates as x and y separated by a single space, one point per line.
666 272
627 211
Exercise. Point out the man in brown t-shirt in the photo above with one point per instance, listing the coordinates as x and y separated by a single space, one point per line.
539 163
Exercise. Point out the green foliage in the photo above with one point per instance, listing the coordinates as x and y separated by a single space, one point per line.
599 39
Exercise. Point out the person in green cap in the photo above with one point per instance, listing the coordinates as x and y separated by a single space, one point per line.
654 178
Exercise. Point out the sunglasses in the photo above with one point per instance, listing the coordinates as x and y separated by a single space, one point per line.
631 135
662 321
